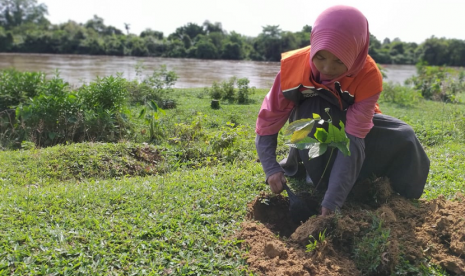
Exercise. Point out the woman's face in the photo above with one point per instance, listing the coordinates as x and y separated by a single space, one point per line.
329 65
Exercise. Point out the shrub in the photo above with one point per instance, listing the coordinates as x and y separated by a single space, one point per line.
244 91
215 91
156 87
401 95
17 87
104 104
108 93
438 83
226 90
51 117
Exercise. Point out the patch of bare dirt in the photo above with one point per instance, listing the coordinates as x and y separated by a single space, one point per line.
376 233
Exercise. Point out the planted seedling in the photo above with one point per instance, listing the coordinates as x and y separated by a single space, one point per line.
334 137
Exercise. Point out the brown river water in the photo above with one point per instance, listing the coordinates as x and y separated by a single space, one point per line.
79 69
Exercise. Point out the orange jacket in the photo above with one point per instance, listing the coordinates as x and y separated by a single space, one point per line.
296 83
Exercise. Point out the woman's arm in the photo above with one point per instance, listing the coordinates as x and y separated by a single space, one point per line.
272 116
274 111
345 170
359 117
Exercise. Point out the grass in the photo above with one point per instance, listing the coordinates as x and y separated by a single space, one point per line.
134 209
180 222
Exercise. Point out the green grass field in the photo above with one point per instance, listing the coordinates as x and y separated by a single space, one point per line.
108 209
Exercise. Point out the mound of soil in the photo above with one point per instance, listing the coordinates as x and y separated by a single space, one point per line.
376 233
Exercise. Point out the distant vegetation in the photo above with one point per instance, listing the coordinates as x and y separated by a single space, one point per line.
25 29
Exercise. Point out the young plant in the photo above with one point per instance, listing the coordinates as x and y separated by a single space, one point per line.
153 120
334 137
313 245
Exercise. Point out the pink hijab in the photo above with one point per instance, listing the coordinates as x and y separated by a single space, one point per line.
343 31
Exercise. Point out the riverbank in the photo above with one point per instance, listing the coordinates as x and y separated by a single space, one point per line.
176 207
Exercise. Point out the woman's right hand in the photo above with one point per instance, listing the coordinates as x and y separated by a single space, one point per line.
276 182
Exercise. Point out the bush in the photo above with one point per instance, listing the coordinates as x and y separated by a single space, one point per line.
17 87
104 104
401 95
156 87
244 91
226 90
215 91
52 117
438 83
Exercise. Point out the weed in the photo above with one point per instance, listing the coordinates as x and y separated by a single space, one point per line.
313 245
152 118
370 252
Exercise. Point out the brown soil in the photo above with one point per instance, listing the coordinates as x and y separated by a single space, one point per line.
376 233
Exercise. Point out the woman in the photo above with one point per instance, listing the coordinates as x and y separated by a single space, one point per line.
336 72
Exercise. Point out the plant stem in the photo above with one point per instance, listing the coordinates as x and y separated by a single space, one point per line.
324 171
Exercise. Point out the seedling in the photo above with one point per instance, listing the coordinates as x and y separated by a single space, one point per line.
334 137
153 120
313 245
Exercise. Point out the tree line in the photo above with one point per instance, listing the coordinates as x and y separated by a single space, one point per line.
25 29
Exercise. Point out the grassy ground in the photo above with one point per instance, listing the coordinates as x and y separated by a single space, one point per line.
133 209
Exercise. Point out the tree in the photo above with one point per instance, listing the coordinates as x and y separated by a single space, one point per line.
209 27
127 27
6 40
17 12
435 51
303 36
268 43
457 52
152 33
233 48
97 24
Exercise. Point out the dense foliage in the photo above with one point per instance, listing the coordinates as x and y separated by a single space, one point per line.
24 28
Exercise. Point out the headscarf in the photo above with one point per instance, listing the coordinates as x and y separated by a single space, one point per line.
343 31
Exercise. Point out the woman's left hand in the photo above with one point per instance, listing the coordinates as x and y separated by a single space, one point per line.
326 212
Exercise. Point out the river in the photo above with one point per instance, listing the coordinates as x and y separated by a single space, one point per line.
79 69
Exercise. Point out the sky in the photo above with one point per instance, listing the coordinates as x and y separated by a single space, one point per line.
408 20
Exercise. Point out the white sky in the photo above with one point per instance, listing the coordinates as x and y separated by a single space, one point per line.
409 20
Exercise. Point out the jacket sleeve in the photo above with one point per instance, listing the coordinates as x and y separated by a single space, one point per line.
344 173
274 111
273 115
359 117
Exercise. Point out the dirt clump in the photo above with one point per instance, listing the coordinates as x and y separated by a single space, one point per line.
376 233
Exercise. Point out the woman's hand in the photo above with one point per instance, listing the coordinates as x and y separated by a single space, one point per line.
276 182
326 212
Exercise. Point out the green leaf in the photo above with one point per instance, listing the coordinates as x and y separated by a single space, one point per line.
142 113
316 150
305 143
321 135
299 125
335 134
153 105
343 146
299 135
